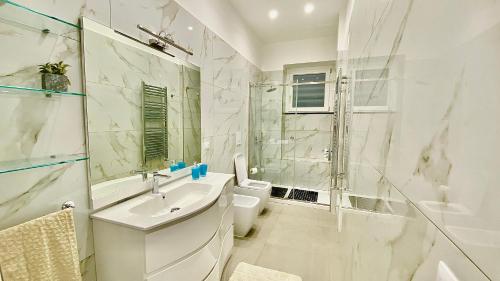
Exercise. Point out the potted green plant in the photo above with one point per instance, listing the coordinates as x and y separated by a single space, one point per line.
54 76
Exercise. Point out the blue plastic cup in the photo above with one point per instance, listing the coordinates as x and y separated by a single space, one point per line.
181 165
173 168
195 173
203 169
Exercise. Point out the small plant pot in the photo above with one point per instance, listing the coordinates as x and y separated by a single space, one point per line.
55 82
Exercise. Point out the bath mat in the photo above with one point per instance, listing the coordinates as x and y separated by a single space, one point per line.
248 272
278 192
303 195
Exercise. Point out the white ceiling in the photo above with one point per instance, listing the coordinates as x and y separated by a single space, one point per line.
292 23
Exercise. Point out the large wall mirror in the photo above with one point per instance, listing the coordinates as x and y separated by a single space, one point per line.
142 107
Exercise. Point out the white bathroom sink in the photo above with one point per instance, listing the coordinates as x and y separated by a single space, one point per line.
182 198
174 200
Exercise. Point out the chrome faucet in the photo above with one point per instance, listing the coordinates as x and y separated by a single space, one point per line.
156 184
143 173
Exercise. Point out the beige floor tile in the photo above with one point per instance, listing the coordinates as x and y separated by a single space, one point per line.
288 238
310 265
248 249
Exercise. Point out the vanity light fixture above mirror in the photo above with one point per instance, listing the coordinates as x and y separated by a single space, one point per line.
162 38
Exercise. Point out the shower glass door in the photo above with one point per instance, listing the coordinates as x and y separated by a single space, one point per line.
265 137
291 149
308 129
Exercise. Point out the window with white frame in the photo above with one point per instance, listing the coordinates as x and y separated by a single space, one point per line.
371 90
308 89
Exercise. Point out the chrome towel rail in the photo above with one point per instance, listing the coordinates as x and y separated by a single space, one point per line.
68 204
155 123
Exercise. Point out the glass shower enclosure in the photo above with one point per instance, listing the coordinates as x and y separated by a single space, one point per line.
290 145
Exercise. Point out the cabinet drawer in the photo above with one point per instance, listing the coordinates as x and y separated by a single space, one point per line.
169 244
195 267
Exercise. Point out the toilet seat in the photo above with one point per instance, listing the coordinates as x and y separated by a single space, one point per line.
254 184
246 186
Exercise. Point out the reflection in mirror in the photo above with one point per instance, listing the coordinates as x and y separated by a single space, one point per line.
192 116
143 108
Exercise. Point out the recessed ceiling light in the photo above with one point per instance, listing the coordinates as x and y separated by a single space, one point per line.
190 28
309 8
273 14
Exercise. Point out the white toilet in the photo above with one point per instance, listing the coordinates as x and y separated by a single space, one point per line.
246 210
246 186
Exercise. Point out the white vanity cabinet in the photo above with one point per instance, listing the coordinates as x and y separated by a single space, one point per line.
192 248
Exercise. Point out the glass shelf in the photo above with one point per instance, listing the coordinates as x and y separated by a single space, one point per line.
33 163
19 15
4 89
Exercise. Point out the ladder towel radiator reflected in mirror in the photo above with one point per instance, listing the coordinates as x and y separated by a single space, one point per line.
155 123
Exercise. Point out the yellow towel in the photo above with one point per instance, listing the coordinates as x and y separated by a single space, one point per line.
41 249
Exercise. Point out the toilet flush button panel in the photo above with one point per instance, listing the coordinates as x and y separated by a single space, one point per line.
206 145
444 273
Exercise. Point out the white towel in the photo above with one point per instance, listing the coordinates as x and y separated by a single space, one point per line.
42 249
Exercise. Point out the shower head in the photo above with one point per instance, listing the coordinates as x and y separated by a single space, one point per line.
272 89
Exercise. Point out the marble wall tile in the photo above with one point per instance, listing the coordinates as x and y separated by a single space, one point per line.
71 11
367 136
306 144
125 115
309 122
192 146
438 145
229 109
110 62
273 171
205 54
36 49
26 196
230 68
271 119
32 127
272 100
307 173
207 109
168 16
114 154
126 15
271 144
397 248
255 138
175 128
191 116
220 154
228 101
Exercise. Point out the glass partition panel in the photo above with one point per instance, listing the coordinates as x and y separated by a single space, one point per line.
291 150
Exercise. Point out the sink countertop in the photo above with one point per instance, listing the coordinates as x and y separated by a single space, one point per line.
121 213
